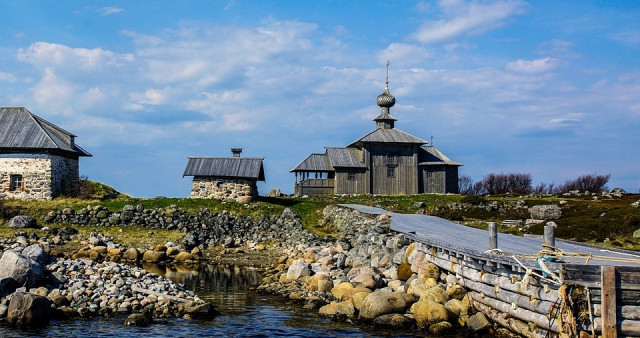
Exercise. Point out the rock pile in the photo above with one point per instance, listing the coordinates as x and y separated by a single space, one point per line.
373 275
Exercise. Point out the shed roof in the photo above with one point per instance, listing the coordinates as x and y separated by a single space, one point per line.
315 162
345 157
22 130
230 167
388 136
430 155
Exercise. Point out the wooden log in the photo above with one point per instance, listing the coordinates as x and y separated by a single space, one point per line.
628 328
624 312
609 327
520 313
519 300
627 277
493 235
510 283
513 324
624 297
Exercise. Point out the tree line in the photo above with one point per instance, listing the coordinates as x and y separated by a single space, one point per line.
522 184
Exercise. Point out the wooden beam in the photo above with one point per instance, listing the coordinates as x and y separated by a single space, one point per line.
493 235
550 235
608 276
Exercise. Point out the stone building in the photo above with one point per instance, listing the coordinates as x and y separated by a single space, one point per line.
386 161
38 160
225 178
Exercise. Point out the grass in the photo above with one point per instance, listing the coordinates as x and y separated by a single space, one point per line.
584 219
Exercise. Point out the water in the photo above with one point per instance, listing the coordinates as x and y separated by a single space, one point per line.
244 313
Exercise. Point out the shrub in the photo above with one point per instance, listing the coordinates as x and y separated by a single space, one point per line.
87 189
473 199
6 212
465 185
497 184
591 183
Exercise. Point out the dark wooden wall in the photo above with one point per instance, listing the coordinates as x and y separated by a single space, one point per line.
343 185
406 170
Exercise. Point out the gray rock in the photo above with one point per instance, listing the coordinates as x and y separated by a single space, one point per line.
298 270
478 322
28 310
22 221
394 320
37 253
22 269
545 212
137 319
380 303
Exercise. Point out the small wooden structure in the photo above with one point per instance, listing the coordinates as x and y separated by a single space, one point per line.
38 160
386 161
225 177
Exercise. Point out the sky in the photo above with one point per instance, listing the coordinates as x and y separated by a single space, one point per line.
550 88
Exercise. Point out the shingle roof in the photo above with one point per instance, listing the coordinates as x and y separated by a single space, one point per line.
345 157
388 136
231 167
315 162
20 129
430 155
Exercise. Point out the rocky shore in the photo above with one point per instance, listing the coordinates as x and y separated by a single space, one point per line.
369 274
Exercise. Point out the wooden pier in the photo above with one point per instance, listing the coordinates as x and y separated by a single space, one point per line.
559 288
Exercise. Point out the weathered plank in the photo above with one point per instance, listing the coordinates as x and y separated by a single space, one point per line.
631 312
608 282
520 313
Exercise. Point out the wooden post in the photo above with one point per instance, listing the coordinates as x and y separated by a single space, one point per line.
608 287
550 235
493 236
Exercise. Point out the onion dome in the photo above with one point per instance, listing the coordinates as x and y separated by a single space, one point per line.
385 99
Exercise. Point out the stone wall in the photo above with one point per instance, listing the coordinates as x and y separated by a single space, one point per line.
241 191
44 176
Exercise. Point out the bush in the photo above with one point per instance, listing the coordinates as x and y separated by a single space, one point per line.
473 199
88 189
498 184
590 183
6 212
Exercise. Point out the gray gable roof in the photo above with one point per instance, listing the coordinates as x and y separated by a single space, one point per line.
315 162
22 130
430 155
229 167
345 157
388 136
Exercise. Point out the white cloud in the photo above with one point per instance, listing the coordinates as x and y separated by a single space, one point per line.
533 66
7 77
109 10
47 55
405 54
467 18
629 38
151 96
53 92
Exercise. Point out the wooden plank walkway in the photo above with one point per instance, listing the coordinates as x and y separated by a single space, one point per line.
467 240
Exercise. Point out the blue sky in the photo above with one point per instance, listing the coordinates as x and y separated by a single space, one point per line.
550 88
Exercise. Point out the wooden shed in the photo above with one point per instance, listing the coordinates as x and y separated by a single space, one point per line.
38 160
225 177
386 161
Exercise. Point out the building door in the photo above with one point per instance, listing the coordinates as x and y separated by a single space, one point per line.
434 181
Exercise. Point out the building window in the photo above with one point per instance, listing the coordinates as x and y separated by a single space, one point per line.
429 174
351 175
15 182
392 159
391 172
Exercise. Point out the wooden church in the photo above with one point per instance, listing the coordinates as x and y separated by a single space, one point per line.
386 161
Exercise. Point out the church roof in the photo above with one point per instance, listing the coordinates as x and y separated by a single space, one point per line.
315 162
345 157
22 130
229 167
381 135
430 155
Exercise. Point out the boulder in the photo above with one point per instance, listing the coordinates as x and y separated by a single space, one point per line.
37 253
22 221
394 320
440 328
341 289
427 271
478 322
137 319
404 271
351 292
380 303
368 277
428 313
152 256
340 310
243 199
131 254
435 294
298 270
28 310
22 269
545 212
200 311
183 256
358 299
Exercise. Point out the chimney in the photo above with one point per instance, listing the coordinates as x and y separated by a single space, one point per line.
236 152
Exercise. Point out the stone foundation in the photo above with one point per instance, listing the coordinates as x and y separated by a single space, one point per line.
44 176
242 191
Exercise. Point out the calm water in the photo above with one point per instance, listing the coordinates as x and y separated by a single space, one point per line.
244 313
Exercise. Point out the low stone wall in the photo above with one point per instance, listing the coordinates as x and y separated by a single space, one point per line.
203 227
241 191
